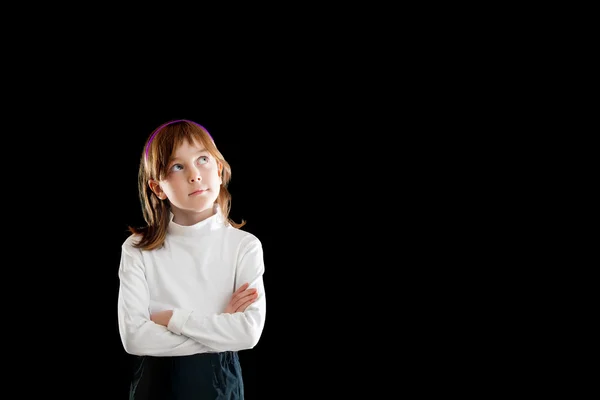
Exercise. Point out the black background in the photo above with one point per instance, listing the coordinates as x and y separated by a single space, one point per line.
343 149
282 177
311 178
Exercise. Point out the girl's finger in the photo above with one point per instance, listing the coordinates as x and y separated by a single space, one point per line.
241 288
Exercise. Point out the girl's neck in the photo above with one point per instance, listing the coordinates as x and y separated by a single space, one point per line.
188 218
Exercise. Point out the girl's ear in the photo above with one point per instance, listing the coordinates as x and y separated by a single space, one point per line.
155 187
220 166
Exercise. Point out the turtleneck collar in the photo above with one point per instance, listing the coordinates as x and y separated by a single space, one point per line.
204 227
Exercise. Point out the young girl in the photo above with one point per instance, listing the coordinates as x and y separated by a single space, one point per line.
191 291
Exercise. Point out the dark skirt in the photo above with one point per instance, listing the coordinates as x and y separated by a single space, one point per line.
211 376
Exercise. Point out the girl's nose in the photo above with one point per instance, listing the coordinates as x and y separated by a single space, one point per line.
195 175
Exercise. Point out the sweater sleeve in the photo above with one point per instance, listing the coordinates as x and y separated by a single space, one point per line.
139 335
224 331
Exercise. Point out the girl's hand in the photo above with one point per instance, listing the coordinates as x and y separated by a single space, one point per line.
241 299
161 317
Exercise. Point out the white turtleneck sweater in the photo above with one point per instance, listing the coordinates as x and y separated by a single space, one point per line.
195 275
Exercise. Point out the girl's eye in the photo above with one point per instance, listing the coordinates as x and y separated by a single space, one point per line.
201 160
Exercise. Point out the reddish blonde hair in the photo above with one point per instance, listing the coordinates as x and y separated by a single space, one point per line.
159 147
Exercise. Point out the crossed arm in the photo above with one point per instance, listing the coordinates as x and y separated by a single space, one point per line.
184 332
240 300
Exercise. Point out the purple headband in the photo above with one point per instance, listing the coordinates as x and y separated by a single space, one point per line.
169 123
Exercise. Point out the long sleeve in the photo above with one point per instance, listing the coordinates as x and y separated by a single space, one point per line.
140 335
230 332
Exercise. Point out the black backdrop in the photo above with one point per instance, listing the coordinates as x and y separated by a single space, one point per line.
336 167
312 182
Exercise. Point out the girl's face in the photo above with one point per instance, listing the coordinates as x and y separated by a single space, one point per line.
191 185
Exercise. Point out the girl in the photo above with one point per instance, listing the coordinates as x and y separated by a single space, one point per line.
191 291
